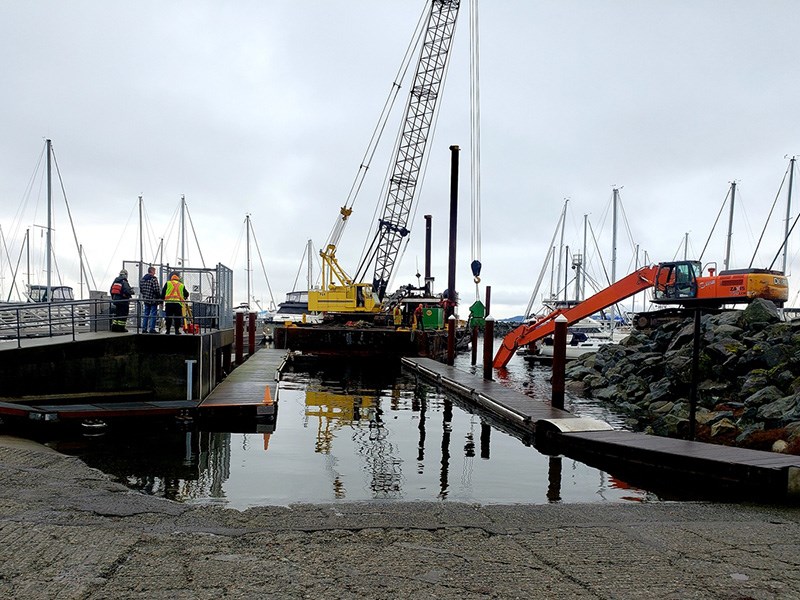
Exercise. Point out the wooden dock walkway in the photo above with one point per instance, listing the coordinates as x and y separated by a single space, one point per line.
252 387
634 457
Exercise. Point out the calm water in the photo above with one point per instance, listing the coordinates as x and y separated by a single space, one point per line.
345 435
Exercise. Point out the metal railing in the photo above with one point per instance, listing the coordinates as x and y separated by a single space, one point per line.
20 321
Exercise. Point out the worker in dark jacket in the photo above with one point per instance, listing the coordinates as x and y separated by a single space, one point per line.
150 293
121 293
175 296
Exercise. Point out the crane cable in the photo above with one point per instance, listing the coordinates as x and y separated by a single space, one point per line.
377 133
475 143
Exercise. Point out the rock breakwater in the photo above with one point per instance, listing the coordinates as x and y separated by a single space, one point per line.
749 379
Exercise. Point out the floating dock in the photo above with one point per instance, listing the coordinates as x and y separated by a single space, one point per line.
139 376
250 392
666 464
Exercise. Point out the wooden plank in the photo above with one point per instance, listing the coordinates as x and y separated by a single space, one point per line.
253 383
116 409
686 449
77 396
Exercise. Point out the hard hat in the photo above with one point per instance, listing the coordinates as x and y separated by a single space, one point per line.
123 273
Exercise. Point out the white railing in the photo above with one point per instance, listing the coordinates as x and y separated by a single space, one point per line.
31 320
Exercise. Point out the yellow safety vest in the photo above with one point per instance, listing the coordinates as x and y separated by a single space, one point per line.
174 291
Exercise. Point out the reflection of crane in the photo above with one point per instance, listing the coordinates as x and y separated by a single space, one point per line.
674 283
363 415
339 292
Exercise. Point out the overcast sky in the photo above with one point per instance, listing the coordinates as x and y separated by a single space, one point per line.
266 107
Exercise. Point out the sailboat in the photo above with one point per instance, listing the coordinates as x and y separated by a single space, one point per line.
591 333
295 308
48 291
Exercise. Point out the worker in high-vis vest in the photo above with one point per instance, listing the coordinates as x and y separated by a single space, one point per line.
397 313
175 295
121 293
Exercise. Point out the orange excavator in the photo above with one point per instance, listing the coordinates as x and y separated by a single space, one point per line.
679 283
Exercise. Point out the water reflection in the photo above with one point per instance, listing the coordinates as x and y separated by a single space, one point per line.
350 435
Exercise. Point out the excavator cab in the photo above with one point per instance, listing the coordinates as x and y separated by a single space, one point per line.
675 281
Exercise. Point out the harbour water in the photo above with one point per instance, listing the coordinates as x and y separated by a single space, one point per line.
345 434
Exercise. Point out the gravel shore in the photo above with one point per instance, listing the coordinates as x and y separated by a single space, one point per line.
68 531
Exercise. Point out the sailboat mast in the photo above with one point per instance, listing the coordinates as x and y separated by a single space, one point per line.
614 238
49 223
788 213
614 254
583 274
80 274
141 241
730 227
248 270
28 256
310 273
561 252
183 231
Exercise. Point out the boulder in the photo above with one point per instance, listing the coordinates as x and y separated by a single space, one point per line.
780 411
660 390
660 407
759 311
763 396
724 427
754 381
780 446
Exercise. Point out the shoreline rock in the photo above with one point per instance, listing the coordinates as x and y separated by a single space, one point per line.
748 391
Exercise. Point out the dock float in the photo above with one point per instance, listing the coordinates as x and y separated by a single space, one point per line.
247 399
507 404
672 467
250 390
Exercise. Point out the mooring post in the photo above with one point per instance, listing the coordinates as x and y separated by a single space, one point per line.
554 468
559 361
695 374
189 379
488 306
474 341
486 436
239 337
251 333
451 339
450 307
488 347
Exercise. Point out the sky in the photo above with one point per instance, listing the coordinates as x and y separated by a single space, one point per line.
265 108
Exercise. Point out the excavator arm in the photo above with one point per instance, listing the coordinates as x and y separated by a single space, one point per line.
626 287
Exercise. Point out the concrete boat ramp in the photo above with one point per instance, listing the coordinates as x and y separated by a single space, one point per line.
665 465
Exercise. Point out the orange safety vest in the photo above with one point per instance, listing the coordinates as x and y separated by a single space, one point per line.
174 291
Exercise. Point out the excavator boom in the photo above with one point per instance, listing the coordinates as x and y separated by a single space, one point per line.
526 334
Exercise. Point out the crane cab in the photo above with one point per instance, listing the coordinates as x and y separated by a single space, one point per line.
683 282
351 298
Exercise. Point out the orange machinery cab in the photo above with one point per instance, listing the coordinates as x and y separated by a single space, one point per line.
682 282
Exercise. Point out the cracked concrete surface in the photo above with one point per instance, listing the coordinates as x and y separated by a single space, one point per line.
68 531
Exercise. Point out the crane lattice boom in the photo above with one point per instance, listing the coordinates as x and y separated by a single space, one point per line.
419 117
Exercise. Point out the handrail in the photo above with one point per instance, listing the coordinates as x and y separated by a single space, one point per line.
34 320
